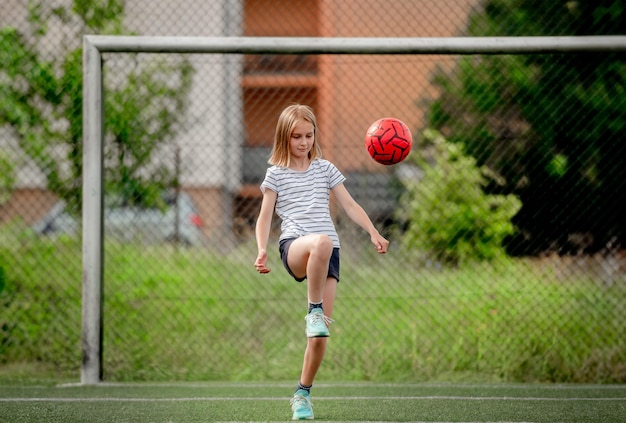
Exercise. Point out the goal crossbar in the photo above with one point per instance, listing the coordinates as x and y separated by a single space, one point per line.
358 45
93 128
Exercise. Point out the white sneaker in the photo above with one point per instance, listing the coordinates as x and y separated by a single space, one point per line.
301 406
316 324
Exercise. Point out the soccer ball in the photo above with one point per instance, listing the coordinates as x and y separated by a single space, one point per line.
388 141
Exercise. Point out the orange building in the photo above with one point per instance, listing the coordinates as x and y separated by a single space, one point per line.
372 86
358 90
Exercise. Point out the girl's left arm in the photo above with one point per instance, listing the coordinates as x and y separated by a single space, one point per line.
360 217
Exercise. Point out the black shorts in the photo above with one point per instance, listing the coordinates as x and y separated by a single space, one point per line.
333 266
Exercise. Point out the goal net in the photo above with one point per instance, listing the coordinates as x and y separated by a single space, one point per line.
511 162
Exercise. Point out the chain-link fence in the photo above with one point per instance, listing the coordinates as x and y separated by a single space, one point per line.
505 221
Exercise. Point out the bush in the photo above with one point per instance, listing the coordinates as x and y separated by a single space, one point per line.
450 216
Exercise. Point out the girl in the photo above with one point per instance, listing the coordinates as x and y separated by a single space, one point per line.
298 187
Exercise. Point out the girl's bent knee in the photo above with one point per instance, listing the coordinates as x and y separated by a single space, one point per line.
324 244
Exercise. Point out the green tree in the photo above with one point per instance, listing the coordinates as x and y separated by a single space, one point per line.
41 101
551 126
450 217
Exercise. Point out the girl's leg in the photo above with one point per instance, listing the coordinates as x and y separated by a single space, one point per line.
309 256
316 347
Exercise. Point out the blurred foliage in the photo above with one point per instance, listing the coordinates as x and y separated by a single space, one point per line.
41 101
7 177
552 127
2 279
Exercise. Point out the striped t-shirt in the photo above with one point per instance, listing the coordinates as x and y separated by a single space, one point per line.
303 198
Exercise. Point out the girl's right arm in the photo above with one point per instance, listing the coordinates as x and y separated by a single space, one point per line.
262 229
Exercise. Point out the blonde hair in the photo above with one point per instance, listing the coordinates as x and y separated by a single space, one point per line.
290 117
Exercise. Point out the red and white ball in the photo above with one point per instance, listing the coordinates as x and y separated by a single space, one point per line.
388 141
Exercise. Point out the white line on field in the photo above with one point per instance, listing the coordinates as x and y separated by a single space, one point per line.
387 421
346 398
521 386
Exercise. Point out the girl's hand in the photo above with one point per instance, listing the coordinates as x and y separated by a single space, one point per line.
261 262
380 243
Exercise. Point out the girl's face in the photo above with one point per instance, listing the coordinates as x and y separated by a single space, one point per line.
301 140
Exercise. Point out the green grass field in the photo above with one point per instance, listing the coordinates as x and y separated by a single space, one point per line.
204 402
189 335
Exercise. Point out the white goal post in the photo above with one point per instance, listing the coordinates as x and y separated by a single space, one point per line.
93 128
